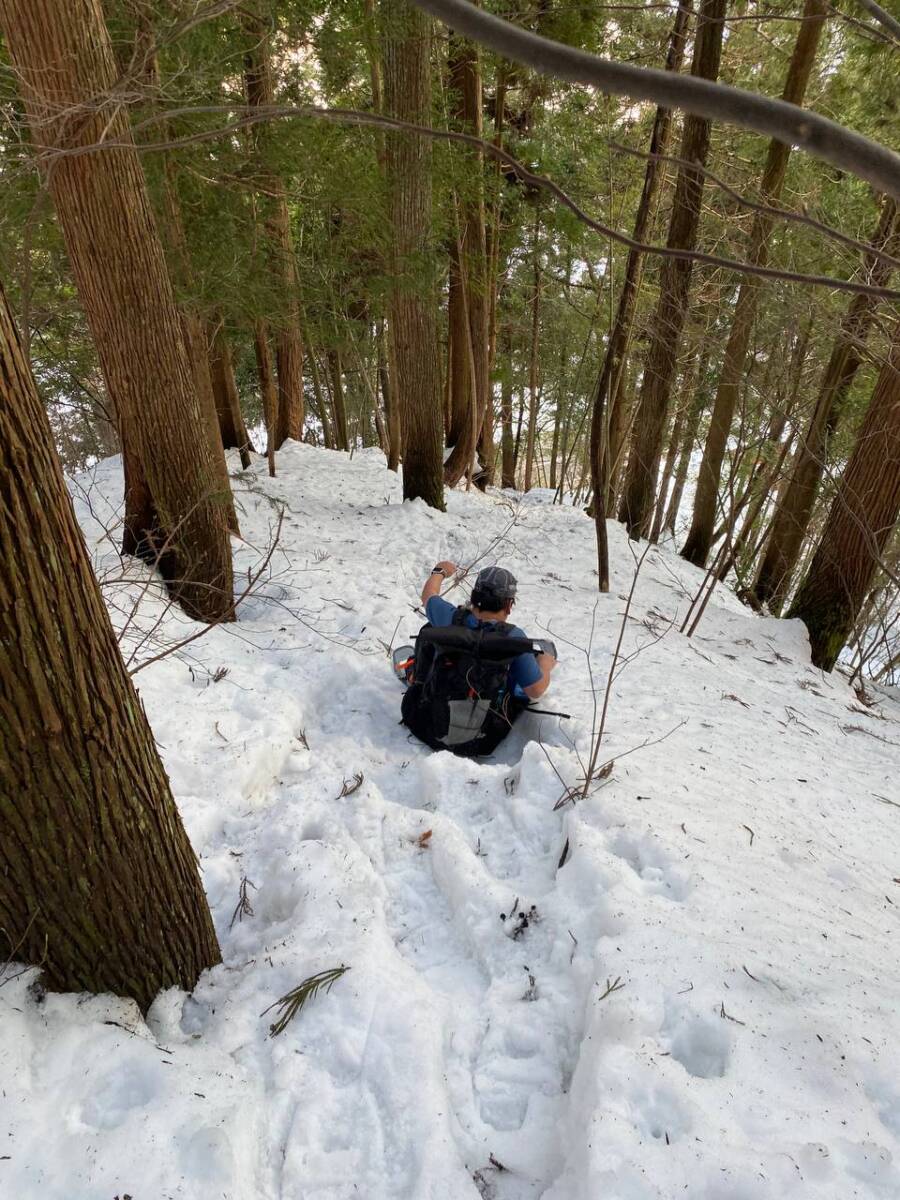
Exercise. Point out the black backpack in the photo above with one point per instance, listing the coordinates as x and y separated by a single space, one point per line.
459 699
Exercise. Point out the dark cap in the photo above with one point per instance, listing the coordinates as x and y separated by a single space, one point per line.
494 585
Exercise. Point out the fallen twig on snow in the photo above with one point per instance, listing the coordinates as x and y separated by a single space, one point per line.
291 1002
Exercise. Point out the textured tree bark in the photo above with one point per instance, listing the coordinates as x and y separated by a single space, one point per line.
406 41
98 883
696 548
862 517
228 406
175 238
636 509
790 524
62 54
609 414
277 220
468 303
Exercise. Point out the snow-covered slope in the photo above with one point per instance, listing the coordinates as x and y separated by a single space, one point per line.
704 1002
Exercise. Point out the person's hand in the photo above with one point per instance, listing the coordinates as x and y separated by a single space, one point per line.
449 568
546 662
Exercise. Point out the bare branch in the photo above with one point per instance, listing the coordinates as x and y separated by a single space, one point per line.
786 123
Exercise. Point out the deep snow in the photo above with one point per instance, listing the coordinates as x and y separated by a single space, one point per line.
705 1003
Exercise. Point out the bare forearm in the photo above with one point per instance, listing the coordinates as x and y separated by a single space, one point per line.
443 570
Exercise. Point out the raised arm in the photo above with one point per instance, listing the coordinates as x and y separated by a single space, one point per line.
442 570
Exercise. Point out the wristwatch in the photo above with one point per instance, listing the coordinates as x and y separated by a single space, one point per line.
439 571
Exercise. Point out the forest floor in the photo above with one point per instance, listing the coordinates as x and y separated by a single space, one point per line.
703 1002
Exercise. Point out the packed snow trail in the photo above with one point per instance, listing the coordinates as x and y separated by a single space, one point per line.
700 1001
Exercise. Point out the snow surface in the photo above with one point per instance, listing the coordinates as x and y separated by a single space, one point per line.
705 1003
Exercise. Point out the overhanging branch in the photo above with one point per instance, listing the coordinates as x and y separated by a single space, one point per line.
787 123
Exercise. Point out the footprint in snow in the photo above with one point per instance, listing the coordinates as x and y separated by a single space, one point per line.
648 860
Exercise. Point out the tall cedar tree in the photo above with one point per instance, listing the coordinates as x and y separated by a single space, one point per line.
791 521
280 243
62 54
607 433
406 41
181 271
860 521
467 301
699 540
98 882
639 495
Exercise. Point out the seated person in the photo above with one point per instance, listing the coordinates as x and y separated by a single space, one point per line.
472 673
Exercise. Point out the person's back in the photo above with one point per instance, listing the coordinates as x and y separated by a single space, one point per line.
472 673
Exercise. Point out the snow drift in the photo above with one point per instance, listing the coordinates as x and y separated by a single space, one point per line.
701 1001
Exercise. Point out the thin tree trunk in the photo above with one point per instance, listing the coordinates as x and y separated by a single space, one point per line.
228 405
338 404
406 42
636 509
696 548
266 388
791 521
689 438
861 520
391 409
507 447
64 62
98 882
534 395
675 436
517 444
273 199
609 440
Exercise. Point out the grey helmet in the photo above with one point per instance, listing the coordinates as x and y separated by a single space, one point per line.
494 588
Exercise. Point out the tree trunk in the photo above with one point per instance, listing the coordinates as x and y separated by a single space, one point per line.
533 392
228 405
609 440
517 442
675 437
696 548
63 58
98 882
267 388
406 34
391 410
861 519
467 300
791 521
636 510
507 448
695 389
181 273
277 220
339 406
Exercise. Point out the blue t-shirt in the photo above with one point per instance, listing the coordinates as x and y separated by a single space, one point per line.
524 669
